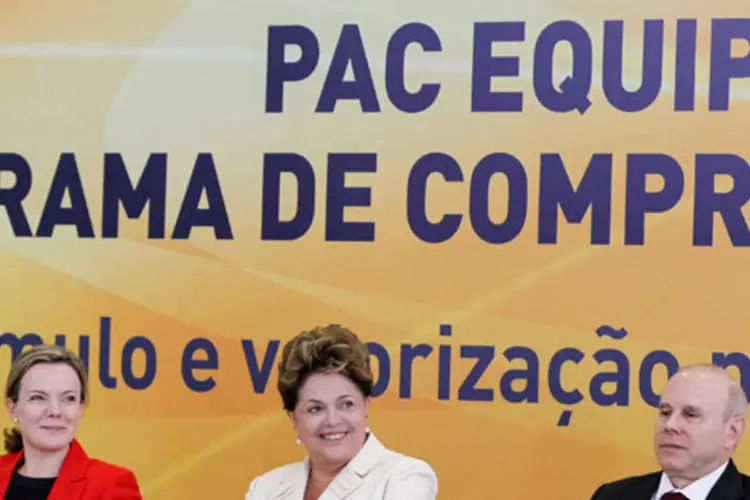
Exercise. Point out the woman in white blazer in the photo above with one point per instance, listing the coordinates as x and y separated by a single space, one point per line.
325 383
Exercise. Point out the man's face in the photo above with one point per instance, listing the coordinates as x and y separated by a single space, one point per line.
692 437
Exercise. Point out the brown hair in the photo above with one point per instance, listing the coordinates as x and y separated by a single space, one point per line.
40 354
327 349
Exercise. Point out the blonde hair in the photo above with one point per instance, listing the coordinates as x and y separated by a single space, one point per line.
328 349
40 354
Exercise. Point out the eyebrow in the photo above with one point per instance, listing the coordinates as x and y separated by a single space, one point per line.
313 400
692 408
45 392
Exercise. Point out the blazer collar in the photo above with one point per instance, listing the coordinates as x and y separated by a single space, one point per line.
6 472
647 488
352 476
729 485
69 483
70 480
346 482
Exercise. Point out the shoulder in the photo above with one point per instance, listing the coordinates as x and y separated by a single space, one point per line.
623 487
400 463
79 463
114 481
100 468
733 470
735 480
9 459
407 477
745 483
275 478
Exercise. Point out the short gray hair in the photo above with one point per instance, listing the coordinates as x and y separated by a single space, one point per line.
736 402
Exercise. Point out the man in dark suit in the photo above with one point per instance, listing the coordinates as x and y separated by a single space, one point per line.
701 419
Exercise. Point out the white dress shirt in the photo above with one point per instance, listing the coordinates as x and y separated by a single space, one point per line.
697 490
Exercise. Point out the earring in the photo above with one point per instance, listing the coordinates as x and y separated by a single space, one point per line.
298 441
367 429
15 419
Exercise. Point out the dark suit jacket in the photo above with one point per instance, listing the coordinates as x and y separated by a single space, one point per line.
731 486
80 478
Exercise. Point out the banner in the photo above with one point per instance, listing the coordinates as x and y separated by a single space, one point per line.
533 212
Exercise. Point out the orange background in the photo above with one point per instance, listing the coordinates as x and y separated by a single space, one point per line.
188 77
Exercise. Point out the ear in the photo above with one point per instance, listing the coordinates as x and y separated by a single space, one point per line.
735 431
10 407
367 405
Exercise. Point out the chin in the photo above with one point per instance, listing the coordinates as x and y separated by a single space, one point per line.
52 445
343 451
670 462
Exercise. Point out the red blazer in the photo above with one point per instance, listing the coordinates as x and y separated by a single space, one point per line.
80 478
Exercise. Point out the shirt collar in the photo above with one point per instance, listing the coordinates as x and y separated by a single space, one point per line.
697 490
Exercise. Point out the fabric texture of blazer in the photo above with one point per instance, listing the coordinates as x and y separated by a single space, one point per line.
375 473
80 478
732 485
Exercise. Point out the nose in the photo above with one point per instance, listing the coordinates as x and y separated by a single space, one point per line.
333 417
672 423
52 409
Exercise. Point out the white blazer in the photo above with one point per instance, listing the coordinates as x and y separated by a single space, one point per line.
375 473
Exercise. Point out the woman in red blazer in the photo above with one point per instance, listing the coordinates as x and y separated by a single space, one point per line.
46 392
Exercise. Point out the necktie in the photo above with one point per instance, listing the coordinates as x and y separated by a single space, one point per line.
673 496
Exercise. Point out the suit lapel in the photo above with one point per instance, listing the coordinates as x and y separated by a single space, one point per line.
729 485
70 480
292 484
353 475
644 490
6 472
